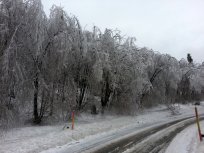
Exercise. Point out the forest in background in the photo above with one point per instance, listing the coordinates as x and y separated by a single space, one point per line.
50 67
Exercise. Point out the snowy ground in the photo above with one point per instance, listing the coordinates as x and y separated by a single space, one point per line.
41 138
187 141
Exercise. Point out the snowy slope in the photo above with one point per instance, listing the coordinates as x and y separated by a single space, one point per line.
40 138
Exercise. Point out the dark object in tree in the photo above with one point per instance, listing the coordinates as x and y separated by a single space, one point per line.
189 58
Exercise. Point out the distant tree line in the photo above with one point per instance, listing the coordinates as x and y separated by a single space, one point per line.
49 67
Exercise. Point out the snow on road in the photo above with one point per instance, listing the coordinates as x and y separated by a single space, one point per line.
41 138
187 141
200 148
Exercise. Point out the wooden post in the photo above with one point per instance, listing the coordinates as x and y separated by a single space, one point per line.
197 121
72 120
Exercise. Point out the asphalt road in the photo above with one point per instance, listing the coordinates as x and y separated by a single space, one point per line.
153 139
158 142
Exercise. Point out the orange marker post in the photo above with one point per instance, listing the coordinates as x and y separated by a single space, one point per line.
197 121
73 120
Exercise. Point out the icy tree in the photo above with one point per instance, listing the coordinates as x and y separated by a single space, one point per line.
12 19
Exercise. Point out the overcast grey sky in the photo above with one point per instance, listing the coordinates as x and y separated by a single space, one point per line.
175 27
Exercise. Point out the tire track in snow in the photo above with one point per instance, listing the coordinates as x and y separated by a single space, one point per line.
158 142
115 144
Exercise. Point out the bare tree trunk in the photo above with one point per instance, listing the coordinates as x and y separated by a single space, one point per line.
52 99
144 92
35 102
43 105
81 96
63 88
105 95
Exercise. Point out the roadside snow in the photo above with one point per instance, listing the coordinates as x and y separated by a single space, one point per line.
200 148
187 141
40 138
